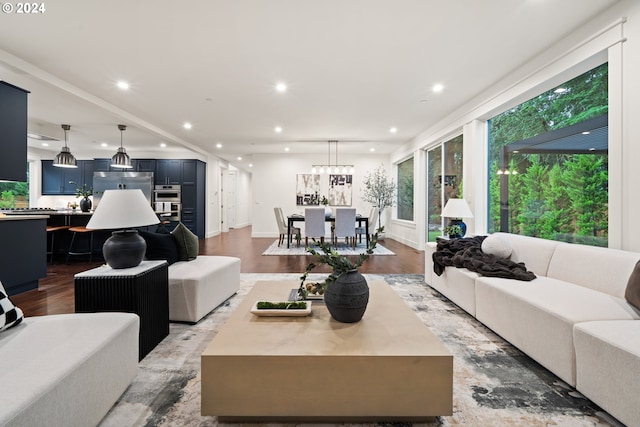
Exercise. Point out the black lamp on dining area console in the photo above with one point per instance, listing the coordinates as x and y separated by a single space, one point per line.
122 211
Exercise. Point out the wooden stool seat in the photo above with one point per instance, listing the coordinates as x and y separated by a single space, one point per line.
80 229
54 228
51 230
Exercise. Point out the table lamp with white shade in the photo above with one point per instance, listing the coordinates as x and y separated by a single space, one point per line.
122 210
456 209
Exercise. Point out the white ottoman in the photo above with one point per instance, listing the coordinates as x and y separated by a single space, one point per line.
608 366
197 287
66 369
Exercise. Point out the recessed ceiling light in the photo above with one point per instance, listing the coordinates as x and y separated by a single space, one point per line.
218 145
187 125
44 144
438 87
104 144
560 90
239 158
393 130
372 149
277 129
163 145
250 165
123 85
286 149
281 87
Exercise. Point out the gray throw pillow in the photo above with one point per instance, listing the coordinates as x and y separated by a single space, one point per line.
632 293
186 242
496 245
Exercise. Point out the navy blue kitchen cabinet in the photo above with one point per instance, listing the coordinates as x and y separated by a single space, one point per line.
65 181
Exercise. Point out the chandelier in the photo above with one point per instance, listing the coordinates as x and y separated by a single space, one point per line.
335 168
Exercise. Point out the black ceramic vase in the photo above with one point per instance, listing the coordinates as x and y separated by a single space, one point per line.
124 249
347 297
85 204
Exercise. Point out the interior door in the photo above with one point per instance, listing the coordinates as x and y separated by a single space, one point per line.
223 201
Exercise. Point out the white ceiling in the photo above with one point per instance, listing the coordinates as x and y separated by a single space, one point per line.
354 68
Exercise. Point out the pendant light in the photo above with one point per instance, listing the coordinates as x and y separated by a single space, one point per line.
337 169
121 158
65 159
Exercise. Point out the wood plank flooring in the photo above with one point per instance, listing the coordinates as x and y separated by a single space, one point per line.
55 292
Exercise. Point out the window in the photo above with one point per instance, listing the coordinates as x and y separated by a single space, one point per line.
405 190
14 194
444 181
548 163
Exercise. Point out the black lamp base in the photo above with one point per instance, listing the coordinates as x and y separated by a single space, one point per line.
124 249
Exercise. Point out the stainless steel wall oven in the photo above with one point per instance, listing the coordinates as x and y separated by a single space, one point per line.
168 202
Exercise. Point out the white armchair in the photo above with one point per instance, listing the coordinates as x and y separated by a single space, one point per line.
282 227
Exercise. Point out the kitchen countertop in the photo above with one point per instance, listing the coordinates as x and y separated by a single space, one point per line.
45 212
21 217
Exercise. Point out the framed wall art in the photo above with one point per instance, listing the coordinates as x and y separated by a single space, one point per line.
340 188
307 189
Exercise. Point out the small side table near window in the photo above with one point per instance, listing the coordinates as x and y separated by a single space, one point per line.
143 290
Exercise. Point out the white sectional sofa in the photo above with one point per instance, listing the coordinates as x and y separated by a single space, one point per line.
198 286
66 370
573 318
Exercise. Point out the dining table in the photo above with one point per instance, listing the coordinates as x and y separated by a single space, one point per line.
291 219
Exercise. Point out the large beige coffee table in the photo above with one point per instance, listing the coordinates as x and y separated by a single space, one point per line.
388 366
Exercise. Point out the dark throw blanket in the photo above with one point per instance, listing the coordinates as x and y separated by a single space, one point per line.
467 252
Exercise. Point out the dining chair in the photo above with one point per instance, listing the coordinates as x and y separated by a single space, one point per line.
282 227
345 226
373 219
314 221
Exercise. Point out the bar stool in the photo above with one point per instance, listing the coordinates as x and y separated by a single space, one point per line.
82 230
51 231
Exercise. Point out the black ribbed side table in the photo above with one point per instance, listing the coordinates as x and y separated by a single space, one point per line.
143 290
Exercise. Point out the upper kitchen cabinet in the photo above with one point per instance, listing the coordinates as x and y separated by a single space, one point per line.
64 181
138 165
143 165
168 172
102 165
13 133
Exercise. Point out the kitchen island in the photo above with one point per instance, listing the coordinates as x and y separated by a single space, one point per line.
23 251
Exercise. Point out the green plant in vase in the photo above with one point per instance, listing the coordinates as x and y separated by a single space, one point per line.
340 264
85 191
380 191
453 231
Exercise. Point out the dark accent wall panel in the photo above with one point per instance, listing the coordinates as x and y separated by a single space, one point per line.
13 132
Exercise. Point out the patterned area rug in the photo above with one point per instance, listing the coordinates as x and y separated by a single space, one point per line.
494 383
343 249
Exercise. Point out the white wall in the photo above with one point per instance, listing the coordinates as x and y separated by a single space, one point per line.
606 38
274 185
